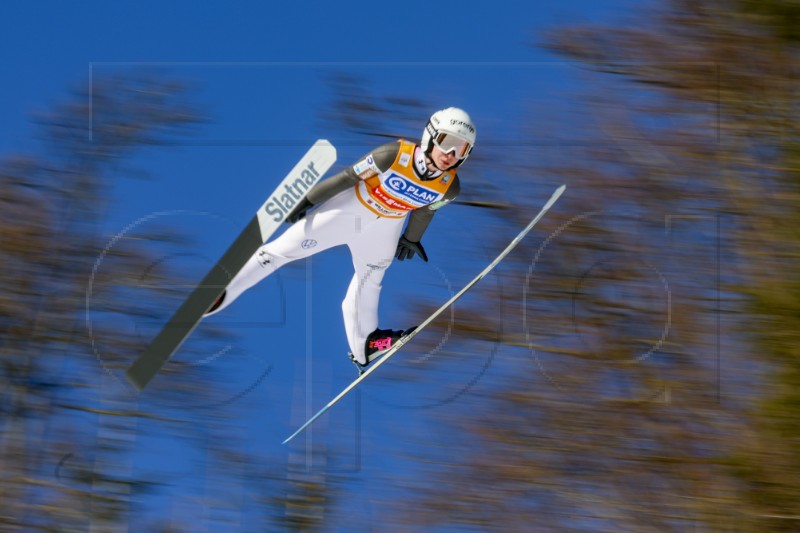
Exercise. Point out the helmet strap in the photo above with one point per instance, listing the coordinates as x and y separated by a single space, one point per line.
431 134
423 164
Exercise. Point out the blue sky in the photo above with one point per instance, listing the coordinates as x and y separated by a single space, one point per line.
259 70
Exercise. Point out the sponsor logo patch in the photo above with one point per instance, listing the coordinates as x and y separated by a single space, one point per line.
436 205
264 258
381 210
366 168
308 243
378 193
403 188
405 158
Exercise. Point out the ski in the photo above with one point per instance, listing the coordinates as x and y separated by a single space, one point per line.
385 356
294 187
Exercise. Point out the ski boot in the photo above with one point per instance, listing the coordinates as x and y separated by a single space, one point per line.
378 343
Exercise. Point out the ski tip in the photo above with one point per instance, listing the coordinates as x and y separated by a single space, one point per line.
320 143
553 198
326 152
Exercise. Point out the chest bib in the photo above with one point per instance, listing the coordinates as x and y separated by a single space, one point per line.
397 190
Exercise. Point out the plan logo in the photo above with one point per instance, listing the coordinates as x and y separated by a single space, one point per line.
397 184
404 188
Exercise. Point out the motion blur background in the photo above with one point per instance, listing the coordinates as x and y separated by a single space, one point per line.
632 366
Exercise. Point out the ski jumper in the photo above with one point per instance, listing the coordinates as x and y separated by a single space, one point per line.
364 207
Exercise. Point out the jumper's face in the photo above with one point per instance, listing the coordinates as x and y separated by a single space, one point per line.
441 160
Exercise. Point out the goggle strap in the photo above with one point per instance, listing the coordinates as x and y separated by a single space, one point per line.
431 130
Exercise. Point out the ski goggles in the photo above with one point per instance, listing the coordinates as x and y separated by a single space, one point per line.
449 142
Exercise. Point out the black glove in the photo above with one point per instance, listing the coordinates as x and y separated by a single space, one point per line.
407 249
299 211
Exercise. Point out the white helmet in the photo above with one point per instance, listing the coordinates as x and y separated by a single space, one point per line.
450 129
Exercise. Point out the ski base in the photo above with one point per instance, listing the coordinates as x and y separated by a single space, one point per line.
294 187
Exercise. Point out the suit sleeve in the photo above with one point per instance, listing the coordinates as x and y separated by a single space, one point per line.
371 164
419 219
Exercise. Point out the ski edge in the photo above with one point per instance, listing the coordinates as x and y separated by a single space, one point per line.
404 340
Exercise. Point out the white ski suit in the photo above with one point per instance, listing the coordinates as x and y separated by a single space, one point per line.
365 207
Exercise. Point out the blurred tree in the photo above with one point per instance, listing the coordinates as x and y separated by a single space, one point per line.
68 429
651 383
752 50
